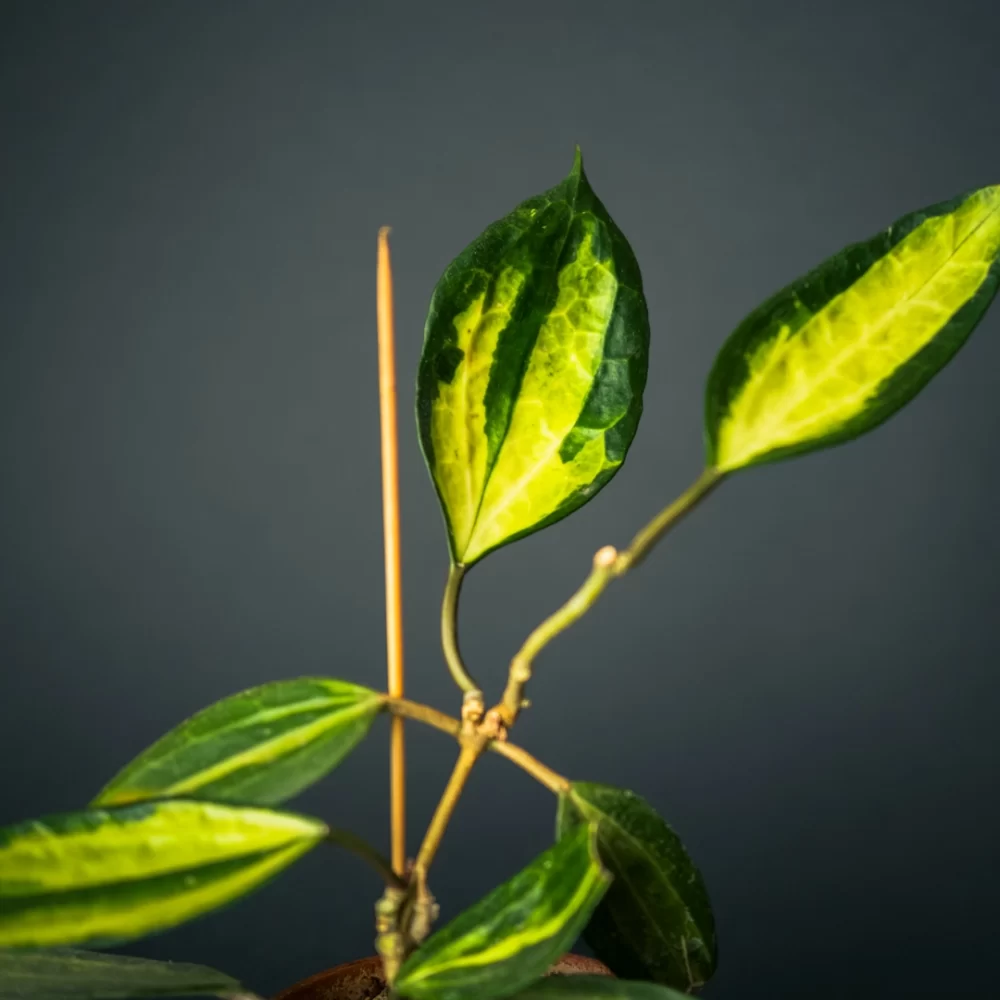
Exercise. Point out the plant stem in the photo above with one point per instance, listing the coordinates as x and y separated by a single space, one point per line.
449 630
646 539
608 564
448 724
362 849
545 775
390 524
470 753
424 713
490 731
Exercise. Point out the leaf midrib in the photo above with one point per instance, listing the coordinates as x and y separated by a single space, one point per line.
259 751
496 457
626 835
249 857
149 757
853 347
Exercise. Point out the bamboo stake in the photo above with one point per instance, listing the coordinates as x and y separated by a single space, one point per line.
390 524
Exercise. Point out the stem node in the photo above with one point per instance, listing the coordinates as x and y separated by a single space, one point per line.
605 558
473 710
608 564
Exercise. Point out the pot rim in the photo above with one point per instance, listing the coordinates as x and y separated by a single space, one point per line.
362 979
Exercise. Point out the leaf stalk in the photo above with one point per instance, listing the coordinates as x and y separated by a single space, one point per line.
362 849
449 631
608 565
470 753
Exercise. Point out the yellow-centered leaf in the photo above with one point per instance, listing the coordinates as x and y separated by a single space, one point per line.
534 361
841 349
108 875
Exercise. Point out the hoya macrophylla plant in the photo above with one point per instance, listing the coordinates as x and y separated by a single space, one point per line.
535 355
529 393
843 348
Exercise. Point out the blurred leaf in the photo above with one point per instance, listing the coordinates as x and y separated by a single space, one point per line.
108 875
534 361
596 988
514 934
259 747
64 974
655 921
840 350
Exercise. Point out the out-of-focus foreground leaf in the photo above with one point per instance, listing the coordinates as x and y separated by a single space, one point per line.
104 876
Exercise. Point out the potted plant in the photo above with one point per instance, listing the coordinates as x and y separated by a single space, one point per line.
529 393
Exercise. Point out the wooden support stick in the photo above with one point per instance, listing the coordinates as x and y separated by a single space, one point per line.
390 521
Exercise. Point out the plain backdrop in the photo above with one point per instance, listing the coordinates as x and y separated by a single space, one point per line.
803 680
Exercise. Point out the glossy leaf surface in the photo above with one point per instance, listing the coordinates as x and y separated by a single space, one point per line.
840 350
514 934
65 974
108 875
534 362
259 747
597 988
655 921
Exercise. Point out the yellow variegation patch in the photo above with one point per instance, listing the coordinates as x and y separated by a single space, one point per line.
110 875
80 921
458 416
151 846
823 368
530 479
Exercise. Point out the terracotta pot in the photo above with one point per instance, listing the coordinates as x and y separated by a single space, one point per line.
362 980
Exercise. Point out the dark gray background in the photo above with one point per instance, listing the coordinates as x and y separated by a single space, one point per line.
803 680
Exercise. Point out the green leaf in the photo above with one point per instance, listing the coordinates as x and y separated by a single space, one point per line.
840 350
259 747
514 934
64 974
535 354
656 921
596 988
104 876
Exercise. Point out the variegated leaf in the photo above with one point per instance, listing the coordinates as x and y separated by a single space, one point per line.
656 920
66 974
104 876
514 934
534 362
259 747
840 350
